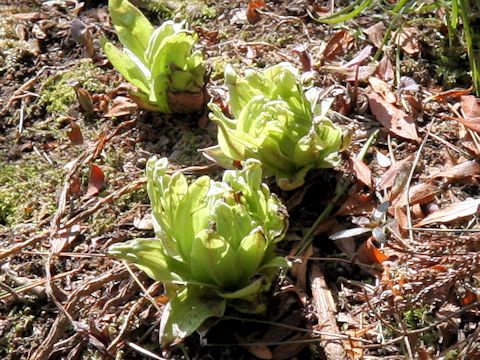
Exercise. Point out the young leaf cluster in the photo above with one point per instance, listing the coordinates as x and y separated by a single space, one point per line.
161 63
276 122
215 242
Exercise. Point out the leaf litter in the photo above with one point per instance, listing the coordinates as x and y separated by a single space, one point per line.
94 305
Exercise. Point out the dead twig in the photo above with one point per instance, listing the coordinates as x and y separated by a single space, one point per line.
325 310
61 322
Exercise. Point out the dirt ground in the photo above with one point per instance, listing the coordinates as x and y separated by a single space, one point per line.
389 261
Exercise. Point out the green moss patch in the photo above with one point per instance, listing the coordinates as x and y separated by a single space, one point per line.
58 94
27 191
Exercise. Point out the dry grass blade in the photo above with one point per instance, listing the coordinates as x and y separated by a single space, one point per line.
58 328
452 212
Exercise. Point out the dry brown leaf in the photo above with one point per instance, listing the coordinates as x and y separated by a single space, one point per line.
357 203
417 212
376 33
122 105
470 106
75 133
96 180
260 351
472 123
454 93
337 45
368 253
304 57
360 58
361 171
74 187
407 39
392 118
382 89
252 15
401 217
452 212
364 72
385 69
388 179
465 169
354 348
419 194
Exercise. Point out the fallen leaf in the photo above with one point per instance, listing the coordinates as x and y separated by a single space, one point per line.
388 179
82 35
454 93
392 118
407 39
84 99
470 106
357 203
145 223
75 133
74 187
252 14
382 89
361 171
361 56
260 351
423 354
465 169
122 105
304 57
385 69
96 180
337 45
469 298
472 123
415 106
364 72
417 212
401 218
452 212
368 253
250 56
422 193
376 33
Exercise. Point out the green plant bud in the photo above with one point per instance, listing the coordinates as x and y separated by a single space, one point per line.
216 238
277 123
161 63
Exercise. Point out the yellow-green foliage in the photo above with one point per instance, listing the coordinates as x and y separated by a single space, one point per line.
58 94
192 11
27 191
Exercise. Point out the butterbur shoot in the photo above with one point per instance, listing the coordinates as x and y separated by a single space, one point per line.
277 123
214 247
167 72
